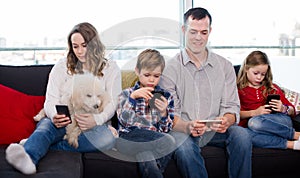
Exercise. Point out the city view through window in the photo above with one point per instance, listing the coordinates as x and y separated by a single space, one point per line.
34 32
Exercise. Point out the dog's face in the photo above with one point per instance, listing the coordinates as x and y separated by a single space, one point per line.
88 95
91 101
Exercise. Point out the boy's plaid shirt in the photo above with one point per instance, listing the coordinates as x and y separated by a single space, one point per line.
138 114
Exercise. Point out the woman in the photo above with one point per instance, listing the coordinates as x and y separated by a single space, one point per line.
85 55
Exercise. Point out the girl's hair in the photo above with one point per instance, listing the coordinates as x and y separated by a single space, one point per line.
150 59
256 58
94 53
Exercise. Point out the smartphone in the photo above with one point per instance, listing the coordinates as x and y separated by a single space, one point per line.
160 92
211 121
270 97
156 95
63 109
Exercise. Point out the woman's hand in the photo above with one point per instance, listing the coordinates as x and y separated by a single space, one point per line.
85 121
60 120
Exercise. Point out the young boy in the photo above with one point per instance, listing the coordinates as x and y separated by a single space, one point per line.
145 113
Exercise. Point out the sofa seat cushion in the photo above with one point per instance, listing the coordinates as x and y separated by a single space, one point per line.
17 110
271 162
56 164
115 164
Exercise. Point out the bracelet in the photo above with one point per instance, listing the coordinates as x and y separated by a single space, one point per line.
287 109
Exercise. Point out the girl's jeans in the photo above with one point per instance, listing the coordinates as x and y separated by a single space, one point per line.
46 136
271 130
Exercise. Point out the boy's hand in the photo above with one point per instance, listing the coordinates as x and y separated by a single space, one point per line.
161 104
144 92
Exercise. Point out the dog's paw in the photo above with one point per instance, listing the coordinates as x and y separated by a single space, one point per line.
22 142
40 115
73 142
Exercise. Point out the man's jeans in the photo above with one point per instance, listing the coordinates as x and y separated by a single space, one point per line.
236 141
271 130
46 136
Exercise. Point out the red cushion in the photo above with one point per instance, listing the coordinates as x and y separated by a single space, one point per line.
16 114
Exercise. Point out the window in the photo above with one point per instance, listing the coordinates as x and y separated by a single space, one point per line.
34 32
37 35
238 27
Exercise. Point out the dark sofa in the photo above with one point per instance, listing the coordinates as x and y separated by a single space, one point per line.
32 80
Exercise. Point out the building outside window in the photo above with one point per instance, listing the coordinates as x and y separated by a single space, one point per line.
34 32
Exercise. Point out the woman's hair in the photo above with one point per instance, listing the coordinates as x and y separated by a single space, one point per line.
256 58
94 53
150 59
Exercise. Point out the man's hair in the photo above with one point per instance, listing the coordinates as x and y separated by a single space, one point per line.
150 59
197 13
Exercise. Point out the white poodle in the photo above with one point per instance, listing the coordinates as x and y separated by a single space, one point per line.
86 95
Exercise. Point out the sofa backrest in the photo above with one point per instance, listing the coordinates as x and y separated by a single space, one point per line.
31 80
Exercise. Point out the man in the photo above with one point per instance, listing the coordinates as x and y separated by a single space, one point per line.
203 85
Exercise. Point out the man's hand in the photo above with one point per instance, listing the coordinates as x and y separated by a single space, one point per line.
197 128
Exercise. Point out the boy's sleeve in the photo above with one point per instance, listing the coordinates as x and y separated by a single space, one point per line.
166 123
125 109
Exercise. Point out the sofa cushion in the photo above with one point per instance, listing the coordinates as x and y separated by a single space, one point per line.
128 78
31 79
17 110
293 97
110 161
56 164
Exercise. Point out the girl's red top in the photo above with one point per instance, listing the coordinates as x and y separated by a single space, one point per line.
252 98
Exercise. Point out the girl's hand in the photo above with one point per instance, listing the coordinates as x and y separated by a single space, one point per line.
85 121
161 104
276 105
262 110
60 120
144 92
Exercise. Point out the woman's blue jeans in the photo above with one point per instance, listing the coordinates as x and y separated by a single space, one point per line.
152 150
46 136
238 145
271 130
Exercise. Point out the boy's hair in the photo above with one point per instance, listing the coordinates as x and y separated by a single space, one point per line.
150 59
255 58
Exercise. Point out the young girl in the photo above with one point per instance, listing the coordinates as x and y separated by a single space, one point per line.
270 123
85 55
